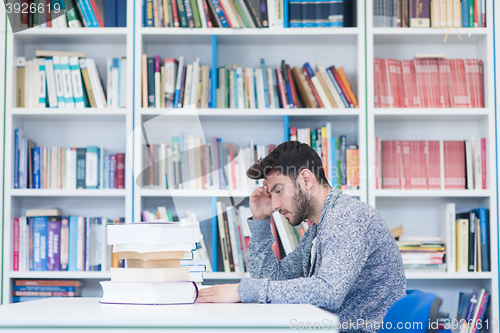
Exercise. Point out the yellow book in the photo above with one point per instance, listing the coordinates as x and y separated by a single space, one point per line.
86 81
20 82
325 88
154 255
462 245
345 81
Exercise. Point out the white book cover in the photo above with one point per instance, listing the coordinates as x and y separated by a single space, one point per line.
109 80
270 88
59 81
476 153
251 85
170 169
321 92
67 85
170 75
116 84
469 164
123 83
51 83
23 244
448 227
187 86
282 232
271 12
329 84
260 89
35 87
203 17
76 81
95 82
80 244
279 13
239 84
157 233
42 82
27 82
91 160
195 81
58 21
233 17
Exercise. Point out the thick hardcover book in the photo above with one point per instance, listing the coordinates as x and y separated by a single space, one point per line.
110 12
53 244
120 170
80 167
420 14
151 82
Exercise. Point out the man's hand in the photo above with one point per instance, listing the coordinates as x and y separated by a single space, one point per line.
260 203
222 293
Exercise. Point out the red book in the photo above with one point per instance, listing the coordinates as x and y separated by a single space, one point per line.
385 96
435 78
15 242
480 83
470 80
463 80
282 90
463 170
293 134
483 163
308 78
175 14
406 158
58 283
460 95
24 13
292 87
398 162
276 246
377 162
433 162
376 82
271 148
96 13
342 86
47 14
394 66
421 80
224 10
444 73
422 173
385 164
120 170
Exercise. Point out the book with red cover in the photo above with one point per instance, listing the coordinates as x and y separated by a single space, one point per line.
377 163
444 72
377 82
120 170
15 243
408 164
435 83
293 134
481 83
292 87
433 161
308 79
96 13
342 86
281 87
470 80
385 100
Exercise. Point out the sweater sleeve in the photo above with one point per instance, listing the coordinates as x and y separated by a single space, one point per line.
344 253
262 262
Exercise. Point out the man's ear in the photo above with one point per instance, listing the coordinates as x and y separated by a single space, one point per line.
306 176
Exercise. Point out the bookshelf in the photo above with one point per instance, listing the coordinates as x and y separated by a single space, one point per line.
419 211
68 127
2 105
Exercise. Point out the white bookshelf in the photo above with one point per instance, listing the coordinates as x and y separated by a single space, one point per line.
2 100
419 211
55 127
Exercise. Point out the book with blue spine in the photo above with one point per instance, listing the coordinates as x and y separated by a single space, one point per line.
73 241
177 97
19 299
112 171
110 13
483 215
92 167
220 13
106 171
189 13
40 243
87 252
80 167
36 167
45 288
53 243
342 158
42 93
30 254
91 15
337 87
334 171
17 136
121 13
294 14
264 79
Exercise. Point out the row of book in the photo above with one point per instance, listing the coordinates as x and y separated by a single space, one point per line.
48 240
30 290
429 13
340 161
286 237
73 14
176 84
65 167
247 13
187 164
422 253
471 312
467 239
155 274
431 164
70 82
429 83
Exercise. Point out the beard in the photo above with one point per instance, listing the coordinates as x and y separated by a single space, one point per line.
303 209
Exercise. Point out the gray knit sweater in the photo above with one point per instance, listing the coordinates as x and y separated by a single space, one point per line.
357 273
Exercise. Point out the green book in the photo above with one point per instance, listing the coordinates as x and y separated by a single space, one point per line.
182 14
171 23
238 8
339 171
226 86
72 15
196 13
314 138
471 14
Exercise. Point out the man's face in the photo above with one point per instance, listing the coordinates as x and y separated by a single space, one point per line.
288 197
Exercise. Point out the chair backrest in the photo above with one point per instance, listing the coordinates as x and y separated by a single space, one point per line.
417 313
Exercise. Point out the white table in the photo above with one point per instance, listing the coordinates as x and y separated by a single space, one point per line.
81 314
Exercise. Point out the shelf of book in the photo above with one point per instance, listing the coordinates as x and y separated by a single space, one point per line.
250 112
430 113
432 193
416 275
210 193
67 193
464 32
250 32
74 32
58 275
43 112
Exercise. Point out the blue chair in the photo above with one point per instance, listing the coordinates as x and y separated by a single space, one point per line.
413 313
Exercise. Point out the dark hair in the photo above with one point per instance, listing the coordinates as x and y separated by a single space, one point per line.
289 158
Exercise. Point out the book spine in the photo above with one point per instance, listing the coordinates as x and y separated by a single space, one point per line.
40 243
76 82
53 245
64 248
120 170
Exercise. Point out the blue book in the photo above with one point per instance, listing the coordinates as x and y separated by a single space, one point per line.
30 255
149 14
40 243
264 78
110 13
17 134
482 213
98 245
220 13
18 299
44 288
73 243
471 306
81 156
329 13
88 244
210 89
90 13
337 87
105 172
36 167
286 80
286 23
294 14
465 13
335 171
121 13
177 96
221 164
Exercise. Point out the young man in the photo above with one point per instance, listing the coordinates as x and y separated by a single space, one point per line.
347 262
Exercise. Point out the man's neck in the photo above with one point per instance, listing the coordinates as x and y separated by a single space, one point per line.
320 201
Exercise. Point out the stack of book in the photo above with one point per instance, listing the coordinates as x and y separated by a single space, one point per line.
65 167
422 253
48 240
57 79
246 13
153 273
174 84
187 164
340 160
431 164
471 310
429 13
30 290
429 83
74 14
